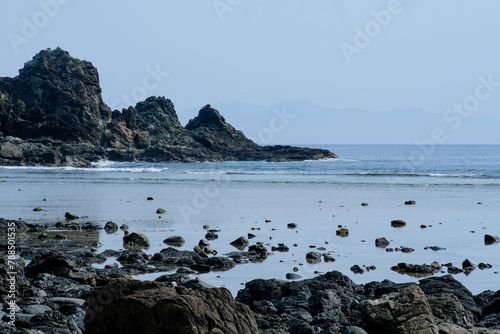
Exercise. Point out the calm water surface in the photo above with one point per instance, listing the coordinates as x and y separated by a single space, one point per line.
447 182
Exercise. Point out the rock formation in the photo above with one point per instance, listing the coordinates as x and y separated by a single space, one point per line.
52 113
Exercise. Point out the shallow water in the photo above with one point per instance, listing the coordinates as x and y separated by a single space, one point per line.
235 197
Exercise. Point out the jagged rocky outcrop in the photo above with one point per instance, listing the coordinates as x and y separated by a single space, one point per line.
52 113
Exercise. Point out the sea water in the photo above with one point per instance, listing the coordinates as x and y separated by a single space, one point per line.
237 198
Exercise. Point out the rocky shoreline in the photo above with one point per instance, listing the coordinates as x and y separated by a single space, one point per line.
53 114
62 290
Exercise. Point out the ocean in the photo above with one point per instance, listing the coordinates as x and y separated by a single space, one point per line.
456 189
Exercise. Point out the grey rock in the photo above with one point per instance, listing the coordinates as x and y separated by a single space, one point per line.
381 242
175 240
36 309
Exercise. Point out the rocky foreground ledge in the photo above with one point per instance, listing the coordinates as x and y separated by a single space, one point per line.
63 291
52 113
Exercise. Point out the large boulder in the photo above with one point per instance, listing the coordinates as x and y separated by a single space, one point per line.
129 306
406 312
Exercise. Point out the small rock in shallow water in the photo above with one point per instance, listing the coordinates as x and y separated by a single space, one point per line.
484 266
291 225
490 239
211 236
38 209
150 198
124 227
381 242
61 236
364 204
203 243
398 223
267 221
111 226
250 236
42 236
292 276
136 239
70 216
357 269
313 257
468 266
160 211
410 203
328 258
343 232
175 240
240 243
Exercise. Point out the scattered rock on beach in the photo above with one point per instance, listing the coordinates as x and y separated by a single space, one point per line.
258 249
70 216
161 211
313 257
398 223
136 239
381 242
328 258
240 243
211 236
111 227
416 270
292 276
203 243
483 266
357 269
491 239
175 240
343 232
467 265
281 248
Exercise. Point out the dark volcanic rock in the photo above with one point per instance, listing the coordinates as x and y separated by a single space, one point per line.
130 306
54 96
52 113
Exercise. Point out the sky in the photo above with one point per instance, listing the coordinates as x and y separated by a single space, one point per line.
438 57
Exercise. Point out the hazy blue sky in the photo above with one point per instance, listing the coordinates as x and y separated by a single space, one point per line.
371 55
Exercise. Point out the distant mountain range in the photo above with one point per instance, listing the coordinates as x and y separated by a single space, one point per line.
309 123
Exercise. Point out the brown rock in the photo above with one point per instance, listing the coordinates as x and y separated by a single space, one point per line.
405 312
129 306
